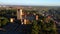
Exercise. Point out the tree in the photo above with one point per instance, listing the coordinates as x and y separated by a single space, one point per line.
3 21
35 29
50 27
43 26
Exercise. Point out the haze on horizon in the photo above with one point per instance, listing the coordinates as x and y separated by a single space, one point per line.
31 2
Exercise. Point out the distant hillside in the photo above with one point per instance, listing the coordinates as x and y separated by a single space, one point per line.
31 6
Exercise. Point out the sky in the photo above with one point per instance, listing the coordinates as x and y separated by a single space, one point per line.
31 2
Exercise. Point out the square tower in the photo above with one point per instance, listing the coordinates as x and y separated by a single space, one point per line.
19 14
